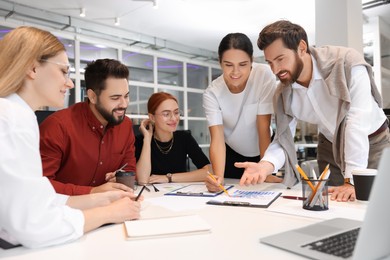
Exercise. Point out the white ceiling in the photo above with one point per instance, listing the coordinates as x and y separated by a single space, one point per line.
196 23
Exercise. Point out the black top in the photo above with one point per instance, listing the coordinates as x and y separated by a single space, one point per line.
176 160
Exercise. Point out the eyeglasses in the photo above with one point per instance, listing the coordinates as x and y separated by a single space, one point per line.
66 73
169 114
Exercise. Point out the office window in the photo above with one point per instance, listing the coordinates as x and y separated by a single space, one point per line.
140 66
170 72
90 52
139 97
197 76
3 31
215 73
199 130
195 104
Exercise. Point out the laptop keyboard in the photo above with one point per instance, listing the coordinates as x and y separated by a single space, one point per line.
341 245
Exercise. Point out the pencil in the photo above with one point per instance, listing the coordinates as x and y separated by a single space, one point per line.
323 174
220 185
303 174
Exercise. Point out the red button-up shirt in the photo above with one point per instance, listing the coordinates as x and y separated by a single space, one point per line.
77 150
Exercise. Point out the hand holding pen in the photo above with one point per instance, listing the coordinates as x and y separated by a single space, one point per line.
111 175
214 181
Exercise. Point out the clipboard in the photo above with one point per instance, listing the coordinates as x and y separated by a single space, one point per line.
256 199
196 190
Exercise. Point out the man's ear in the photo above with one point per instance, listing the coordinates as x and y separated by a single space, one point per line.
91 96
302 48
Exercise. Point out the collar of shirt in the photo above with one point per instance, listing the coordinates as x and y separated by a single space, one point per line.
315 76
93 122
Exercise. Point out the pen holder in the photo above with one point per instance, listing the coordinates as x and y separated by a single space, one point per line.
315 194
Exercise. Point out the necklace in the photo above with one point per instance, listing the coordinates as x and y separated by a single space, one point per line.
164 149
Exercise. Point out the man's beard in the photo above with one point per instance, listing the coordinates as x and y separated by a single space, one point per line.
297 70
109 116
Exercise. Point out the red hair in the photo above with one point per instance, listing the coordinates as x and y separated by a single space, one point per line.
156 99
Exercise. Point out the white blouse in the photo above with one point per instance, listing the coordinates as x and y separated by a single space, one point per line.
238 112
31 213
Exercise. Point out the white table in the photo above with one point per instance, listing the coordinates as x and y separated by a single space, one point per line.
235 233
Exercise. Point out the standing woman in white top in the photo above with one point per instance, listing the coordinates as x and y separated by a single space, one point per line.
238 107
34 72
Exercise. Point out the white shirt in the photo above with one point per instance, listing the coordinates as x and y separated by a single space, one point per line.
31 213
238 112
315 105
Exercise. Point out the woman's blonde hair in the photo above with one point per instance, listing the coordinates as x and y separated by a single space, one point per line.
19 49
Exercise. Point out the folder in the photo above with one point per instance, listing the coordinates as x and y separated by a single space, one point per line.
166 227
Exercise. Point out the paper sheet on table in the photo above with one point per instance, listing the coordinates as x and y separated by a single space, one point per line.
166 227
167 187
336 209
177 203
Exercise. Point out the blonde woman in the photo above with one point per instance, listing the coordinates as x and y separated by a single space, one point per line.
34 72
161 151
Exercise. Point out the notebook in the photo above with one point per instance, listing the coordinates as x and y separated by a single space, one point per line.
372 235
166 227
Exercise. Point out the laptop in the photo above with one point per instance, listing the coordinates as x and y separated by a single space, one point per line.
369 239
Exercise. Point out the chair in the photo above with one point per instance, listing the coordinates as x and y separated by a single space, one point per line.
42 114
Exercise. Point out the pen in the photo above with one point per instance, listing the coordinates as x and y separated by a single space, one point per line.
293 197
121 168
139 194
155 188
220 185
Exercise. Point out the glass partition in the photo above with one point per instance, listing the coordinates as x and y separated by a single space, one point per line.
139 97
195 104
197 76
140 66
170 72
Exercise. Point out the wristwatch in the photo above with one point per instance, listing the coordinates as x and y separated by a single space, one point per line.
348 181
169 176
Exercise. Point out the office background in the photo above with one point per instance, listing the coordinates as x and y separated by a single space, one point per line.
174 52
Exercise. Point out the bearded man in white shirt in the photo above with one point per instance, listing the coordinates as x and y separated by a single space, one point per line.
332 87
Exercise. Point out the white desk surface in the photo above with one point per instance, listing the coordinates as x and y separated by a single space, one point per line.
235 231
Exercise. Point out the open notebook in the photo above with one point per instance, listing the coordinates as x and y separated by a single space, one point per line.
369 240
166 227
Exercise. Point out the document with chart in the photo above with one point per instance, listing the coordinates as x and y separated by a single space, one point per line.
198 190
246 198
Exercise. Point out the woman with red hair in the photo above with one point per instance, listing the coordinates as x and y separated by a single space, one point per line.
161 151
